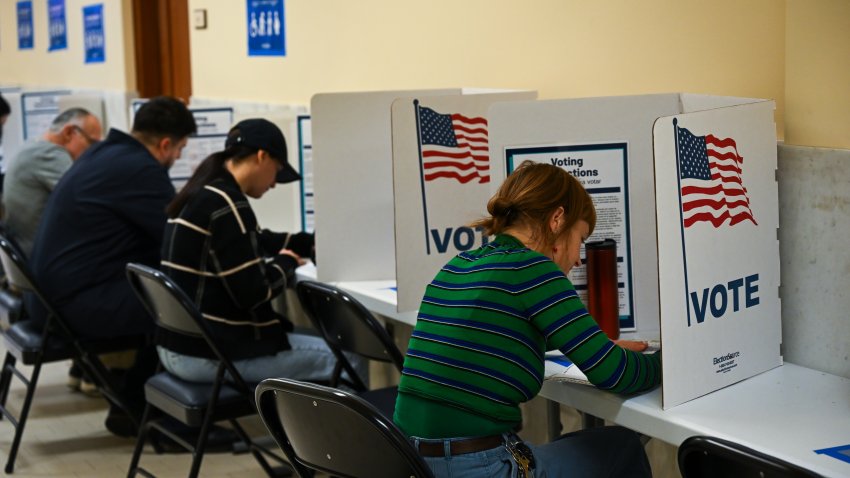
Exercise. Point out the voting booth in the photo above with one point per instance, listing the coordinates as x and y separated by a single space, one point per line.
685 185
353 182
442 181
718 214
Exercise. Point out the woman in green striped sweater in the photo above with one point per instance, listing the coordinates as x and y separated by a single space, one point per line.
484 324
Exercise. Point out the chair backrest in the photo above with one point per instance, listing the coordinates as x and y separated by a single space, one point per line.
703 456
19 276
15 264
347 325
335 432
172 309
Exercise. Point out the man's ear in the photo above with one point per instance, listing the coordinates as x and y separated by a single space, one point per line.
66 134
164 144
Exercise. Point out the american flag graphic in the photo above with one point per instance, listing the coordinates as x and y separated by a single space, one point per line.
453 146
712 188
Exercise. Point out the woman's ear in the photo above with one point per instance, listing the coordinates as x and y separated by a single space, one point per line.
263 156
556 220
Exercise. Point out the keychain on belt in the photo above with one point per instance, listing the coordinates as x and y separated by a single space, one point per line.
523 457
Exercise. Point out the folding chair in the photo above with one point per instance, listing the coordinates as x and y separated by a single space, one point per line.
335 432
34 344
347 326
195 404
703 457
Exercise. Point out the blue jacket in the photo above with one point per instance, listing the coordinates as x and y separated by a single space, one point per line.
106 211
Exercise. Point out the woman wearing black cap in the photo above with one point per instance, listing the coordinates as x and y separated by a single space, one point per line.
215 250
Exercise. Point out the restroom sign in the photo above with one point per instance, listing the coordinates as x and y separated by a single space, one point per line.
266 28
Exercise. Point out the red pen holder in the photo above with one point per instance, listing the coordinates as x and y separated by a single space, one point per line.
602 290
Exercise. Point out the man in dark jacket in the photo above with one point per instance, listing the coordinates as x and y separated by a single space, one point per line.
106 211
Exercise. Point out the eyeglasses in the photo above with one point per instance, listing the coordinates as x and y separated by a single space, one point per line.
85 136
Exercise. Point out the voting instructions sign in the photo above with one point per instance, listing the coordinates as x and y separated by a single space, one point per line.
266 28
717 211
602 168
56 25
94 41
25 28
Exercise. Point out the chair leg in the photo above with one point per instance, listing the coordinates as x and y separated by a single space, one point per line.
6 378
140 442
258 455
22 420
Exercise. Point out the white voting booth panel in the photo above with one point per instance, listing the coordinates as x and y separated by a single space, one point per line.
717 209
353 183
442 178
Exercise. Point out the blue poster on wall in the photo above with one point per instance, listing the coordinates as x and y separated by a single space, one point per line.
25 32
93 39
56 26
266 28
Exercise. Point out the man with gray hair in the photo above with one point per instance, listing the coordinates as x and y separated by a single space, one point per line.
33 173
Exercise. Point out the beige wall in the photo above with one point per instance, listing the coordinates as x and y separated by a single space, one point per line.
67 68
562 48
817 73
794 51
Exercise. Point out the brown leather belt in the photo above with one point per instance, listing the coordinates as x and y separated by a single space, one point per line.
460 447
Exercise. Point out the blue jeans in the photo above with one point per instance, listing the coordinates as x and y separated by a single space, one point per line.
308 359
593 453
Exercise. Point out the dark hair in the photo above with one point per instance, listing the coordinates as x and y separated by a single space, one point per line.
211 169
161 117
531 194
5 109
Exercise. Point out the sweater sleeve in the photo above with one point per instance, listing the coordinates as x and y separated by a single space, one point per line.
239 261
567 326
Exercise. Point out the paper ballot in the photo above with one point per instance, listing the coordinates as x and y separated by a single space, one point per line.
558 367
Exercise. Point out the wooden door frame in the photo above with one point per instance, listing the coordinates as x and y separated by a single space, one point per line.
161 43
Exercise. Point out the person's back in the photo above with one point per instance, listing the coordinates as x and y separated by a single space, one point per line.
33 173
108 210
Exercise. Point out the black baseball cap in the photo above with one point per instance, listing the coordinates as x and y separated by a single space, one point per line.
263 134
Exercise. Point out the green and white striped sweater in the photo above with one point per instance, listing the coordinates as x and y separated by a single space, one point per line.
477 349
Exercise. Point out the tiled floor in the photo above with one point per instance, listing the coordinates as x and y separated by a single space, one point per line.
65 437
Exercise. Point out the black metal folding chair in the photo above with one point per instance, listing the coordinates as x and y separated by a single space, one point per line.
709 457
34 344
335 432
347 326
197 405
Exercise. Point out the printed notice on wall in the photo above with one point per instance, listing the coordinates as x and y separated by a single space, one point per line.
56 25
94 40
266 29
213 125
305 165
39 108
603 171
25 29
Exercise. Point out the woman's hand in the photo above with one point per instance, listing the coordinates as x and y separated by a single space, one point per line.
633 345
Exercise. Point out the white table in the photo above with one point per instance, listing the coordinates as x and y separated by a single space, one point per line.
787 412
